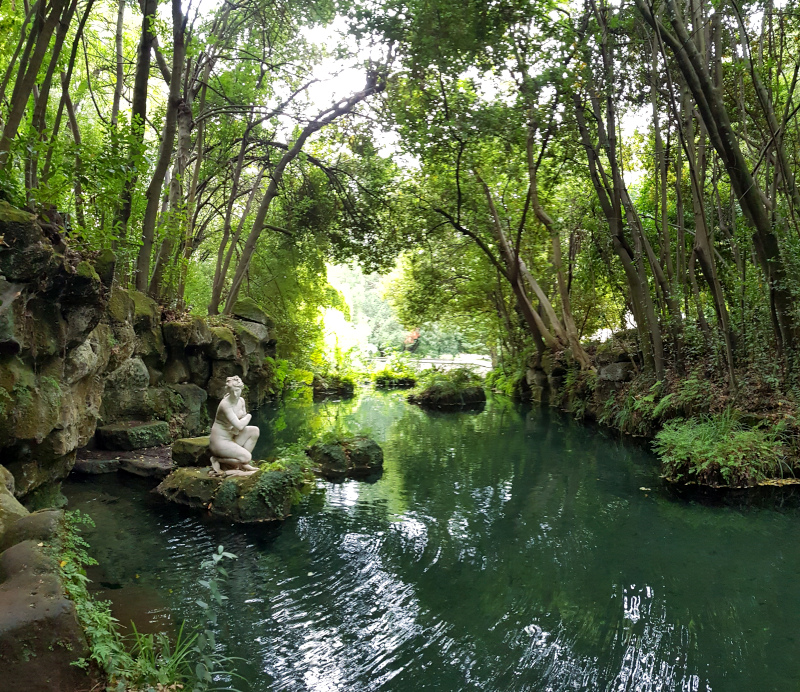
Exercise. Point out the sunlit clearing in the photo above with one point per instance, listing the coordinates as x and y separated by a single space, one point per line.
339 333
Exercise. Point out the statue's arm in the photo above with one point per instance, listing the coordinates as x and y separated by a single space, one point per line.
233 419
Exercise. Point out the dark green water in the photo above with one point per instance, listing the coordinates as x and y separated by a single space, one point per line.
510 549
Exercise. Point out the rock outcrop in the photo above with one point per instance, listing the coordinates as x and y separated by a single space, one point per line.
76 352
53 351
40 636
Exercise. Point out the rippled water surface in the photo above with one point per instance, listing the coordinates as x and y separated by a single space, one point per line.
510 549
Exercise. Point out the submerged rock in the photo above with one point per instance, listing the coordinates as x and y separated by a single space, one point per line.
350 457
267 495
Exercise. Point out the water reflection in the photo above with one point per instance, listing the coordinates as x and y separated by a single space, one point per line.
504 550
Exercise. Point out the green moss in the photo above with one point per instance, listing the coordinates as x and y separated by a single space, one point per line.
11 214
87 271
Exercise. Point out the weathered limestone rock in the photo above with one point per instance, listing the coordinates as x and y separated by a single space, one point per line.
7 479
616 372
266 495
251 337
221 370
176 371
147 465
10 508
199 367
190 413
350 457
247 309
25 254
194 332
96 465
191 451
223 344
38 526
133 435
40 635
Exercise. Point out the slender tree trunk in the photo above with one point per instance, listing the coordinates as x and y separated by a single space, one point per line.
35 50
138 117
153 194
119 72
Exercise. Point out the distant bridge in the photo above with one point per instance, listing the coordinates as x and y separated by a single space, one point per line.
480 364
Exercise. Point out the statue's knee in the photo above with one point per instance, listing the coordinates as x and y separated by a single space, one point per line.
247 455
253 430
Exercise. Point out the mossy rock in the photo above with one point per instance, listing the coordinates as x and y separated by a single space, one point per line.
193 332
266 495
10 510
146 313
435 397
133 435
247 309
120 306
105 264
251 337
26 255
191 451
223 344
350 457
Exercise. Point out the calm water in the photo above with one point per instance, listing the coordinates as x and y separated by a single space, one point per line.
510 549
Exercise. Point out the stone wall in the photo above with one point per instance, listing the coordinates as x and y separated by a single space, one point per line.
77 351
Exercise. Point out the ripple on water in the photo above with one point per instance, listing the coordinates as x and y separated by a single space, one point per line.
501 551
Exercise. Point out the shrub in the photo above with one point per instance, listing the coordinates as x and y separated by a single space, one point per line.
718 451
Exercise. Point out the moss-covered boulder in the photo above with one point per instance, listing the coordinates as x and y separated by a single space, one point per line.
191 332
191 451
223 344
251 337
267 495
25 254
133 435
350 457
247 309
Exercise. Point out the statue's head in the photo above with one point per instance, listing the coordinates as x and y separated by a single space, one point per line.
234 382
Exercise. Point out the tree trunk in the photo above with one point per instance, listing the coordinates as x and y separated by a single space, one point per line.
165 151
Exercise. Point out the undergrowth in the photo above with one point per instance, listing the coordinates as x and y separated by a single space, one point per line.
718 450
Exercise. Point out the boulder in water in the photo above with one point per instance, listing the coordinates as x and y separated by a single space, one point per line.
266 495
349 457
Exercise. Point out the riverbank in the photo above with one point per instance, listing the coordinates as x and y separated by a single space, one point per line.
702 432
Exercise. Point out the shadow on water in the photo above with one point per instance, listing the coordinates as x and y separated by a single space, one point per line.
507 549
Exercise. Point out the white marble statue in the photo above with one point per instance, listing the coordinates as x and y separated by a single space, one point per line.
232 439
